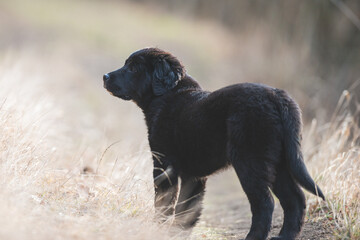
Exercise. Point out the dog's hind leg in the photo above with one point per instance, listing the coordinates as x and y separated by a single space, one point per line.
261 202
292 201
189 205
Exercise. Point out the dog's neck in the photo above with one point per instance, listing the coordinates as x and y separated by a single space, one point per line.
187 83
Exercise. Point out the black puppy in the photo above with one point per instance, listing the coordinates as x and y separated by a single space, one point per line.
194 133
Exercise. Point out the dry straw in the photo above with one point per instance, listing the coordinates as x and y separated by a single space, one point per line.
333 151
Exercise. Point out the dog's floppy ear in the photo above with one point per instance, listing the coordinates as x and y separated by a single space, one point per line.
168 71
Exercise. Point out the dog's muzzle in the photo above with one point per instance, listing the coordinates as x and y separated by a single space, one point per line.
113 89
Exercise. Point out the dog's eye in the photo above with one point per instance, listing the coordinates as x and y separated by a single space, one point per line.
132 69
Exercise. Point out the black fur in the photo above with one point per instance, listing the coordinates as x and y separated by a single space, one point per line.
194 133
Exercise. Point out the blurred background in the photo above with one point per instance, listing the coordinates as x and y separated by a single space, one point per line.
310 48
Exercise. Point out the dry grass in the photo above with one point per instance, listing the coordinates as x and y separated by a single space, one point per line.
333 151
40 199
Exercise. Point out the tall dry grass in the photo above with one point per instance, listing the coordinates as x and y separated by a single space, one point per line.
333 151
45 192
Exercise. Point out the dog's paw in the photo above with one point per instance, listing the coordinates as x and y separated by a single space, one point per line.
281 238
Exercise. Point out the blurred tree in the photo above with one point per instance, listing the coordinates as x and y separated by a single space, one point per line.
333 37
328 31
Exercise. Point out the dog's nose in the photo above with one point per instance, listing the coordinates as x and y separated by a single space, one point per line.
106 77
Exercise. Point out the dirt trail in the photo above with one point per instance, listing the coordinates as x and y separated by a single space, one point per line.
227 213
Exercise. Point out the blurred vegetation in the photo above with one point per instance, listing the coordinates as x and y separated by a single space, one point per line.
326 26
329 30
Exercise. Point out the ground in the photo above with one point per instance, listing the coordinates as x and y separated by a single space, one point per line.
227 213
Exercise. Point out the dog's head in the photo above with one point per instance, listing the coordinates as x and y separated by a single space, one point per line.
148 72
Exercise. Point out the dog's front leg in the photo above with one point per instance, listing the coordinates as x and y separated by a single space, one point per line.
166 188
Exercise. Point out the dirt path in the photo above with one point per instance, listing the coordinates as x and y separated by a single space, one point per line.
227 213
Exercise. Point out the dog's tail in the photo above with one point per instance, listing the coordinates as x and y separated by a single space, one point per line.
291 118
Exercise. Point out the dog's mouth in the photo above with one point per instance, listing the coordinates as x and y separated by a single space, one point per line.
124 97
117 93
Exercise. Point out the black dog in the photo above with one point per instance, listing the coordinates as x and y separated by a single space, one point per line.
194 133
